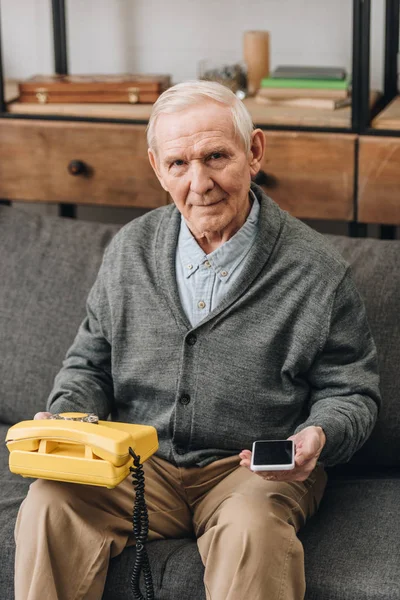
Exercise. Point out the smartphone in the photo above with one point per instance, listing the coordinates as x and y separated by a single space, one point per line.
272 455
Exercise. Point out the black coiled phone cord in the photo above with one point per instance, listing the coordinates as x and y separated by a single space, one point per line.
140 530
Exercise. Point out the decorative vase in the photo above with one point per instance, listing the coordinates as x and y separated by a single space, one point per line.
256 57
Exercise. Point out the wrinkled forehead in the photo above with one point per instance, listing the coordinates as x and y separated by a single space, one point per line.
195 123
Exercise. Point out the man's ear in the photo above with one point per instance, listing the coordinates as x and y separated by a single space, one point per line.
153 161
257 149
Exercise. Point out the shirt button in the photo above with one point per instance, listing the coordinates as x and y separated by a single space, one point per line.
191 339
185 399
201 304
207 264
190 267
224 273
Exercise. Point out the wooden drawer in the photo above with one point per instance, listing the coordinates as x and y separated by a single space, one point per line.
312 174
35 156
379 180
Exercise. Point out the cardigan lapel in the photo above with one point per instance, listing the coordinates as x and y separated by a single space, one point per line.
271 220
165 250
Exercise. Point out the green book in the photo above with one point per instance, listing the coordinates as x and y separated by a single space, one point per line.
301 84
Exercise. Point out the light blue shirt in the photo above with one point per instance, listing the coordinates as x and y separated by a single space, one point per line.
203 279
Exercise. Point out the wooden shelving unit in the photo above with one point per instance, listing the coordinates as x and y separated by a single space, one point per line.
333 182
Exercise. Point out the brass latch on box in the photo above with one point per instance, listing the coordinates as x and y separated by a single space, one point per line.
133 95
42 95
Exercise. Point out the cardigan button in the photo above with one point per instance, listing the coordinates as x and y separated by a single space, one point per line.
179 450
185 399
191 339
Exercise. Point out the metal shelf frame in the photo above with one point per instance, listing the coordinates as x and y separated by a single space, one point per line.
60 37
390 91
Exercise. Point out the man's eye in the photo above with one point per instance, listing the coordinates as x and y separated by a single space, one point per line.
215 155
177 163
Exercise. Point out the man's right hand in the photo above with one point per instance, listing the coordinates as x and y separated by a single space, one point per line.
42 415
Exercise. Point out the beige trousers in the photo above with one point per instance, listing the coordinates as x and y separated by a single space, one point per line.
245 528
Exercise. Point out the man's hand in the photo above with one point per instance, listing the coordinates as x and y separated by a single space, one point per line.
42 415
309 444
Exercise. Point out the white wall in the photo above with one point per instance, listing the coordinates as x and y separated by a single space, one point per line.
172 37
156 36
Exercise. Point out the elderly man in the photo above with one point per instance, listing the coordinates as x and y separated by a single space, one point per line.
220 320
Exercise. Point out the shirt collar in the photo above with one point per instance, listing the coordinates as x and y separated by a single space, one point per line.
190 253
225 259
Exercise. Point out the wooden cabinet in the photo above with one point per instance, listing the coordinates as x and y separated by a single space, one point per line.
77 162
379 180
106 164
311 175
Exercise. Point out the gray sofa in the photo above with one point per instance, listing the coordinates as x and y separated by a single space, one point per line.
352 546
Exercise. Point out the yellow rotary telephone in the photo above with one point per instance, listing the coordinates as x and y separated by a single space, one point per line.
78 448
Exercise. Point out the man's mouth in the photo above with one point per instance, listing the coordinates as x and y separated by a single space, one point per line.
208 204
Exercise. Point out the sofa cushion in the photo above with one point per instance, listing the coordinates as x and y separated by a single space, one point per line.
376 269
47 267
352 544
13 490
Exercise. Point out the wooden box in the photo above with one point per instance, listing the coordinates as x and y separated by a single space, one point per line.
109 89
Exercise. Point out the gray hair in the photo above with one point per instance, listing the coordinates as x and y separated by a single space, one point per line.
189 93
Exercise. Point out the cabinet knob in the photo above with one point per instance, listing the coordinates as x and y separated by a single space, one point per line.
77 167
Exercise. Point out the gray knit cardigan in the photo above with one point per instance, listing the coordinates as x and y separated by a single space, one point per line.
289 346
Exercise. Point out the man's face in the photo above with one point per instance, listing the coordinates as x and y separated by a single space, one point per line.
204 167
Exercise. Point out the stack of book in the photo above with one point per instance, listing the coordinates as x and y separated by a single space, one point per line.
315 87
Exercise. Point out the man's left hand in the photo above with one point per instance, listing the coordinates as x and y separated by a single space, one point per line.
308 443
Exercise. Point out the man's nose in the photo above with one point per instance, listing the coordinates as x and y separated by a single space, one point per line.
200 179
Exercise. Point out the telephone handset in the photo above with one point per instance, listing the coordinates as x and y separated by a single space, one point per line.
78 448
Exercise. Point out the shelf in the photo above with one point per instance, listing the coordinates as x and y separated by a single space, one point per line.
389 118
303 117
261 115
298 117
139 112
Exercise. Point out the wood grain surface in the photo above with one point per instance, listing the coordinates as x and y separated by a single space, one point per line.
389 117
100 111
379 180
311 174
261 115
298 116
34 159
